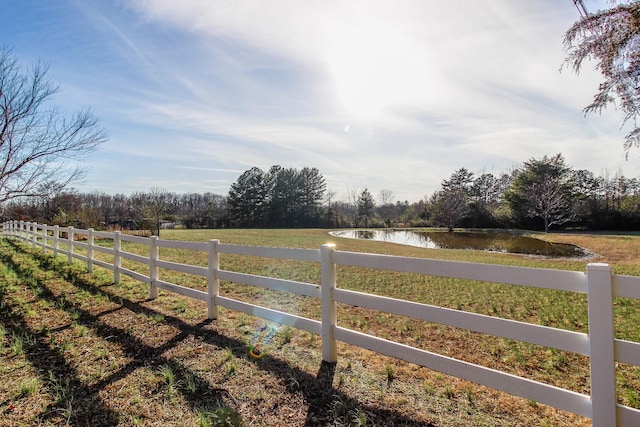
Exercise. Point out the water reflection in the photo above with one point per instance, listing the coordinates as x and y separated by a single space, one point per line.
487 241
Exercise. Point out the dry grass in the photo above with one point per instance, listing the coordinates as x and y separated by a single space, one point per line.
77 349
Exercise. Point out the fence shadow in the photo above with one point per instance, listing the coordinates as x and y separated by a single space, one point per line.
59 378
319 394
204 398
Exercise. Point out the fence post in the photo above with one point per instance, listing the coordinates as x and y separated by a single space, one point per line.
70 243
44 230
601 336
213 288
44 238
90 251
34 234
56 236
329 316
116 256
153 266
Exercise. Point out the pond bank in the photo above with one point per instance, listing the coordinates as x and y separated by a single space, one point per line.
470 240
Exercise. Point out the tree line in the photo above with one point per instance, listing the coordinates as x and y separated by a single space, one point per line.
541 194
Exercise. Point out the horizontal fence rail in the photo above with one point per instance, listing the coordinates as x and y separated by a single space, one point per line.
597 282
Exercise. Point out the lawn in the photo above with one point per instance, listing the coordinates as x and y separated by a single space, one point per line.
78 349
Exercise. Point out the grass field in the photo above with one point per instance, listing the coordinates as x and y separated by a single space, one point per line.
77 349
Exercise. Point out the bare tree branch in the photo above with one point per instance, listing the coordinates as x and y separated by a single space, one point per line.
611 38
38 143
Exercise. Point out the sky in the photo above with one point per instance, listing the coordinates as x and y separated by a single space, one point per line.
389 95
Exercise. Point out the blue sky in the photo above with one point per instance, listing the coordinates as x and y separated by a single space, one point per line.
392 95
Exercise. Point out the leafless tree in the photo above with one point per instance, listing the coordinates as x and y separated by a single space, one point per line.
548 200
542 188
352 194
386 196
386 207
152 206
449 207
451 204
38 143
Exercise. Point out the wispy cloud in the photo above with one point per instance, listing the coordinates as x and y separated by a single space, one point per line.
387 95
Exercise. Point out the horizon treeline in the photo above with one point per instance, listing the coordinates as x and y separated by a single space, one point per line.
541 194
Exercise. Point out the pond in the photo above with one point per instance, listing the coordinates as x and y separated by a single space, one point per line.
484 241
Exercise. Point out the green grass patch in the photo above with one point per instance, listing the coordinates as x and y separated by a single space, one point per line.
79 301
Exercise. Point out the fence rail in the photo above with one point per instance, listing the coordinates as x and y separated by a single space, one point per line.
597 282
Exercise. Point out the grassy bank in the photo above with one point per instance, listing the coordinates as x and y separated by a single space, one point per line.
77 348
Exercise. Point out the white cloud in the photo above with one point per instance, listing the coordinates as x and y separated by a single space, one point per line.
382 94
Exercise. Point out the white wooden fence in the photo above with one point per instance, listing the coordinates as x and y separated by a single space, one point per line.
597 282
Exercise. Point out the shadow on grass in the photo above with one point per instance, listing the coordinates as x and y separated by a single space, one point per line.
74 403
326 405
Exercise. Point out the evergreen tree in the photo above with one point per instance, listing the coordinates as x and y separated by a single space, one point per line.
312 187
248 199
366 206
